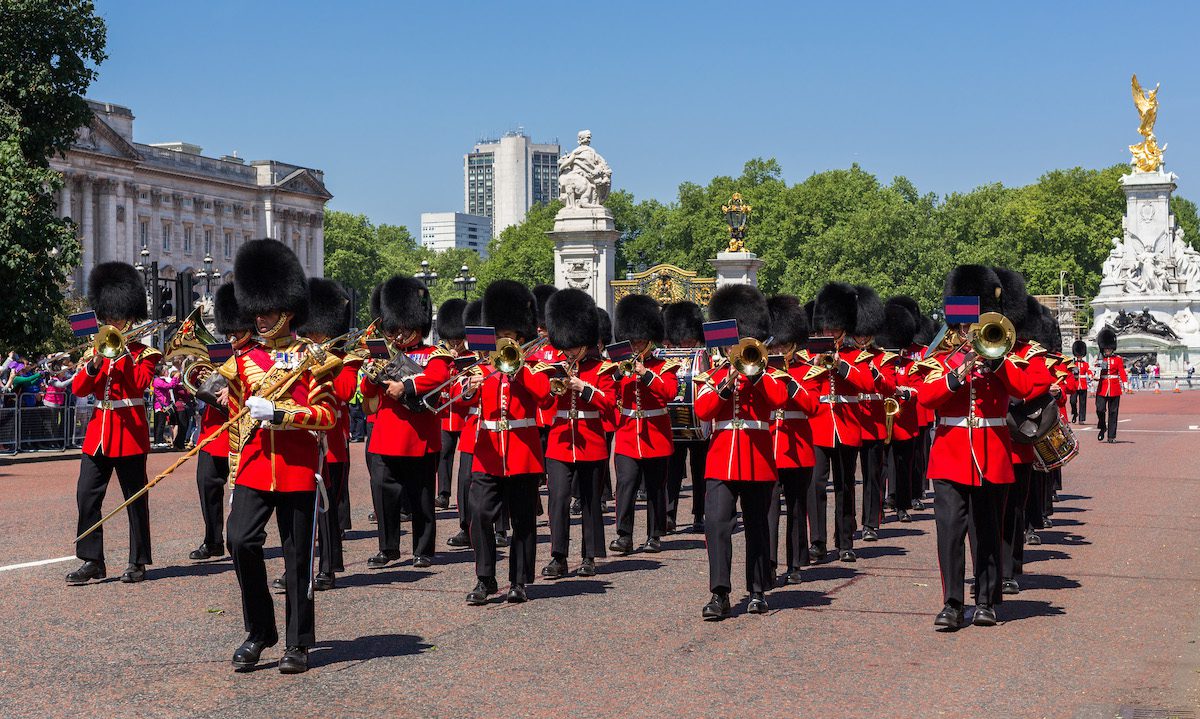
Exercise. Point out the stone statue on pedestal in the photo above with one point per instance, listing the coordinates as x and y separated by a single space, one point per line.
584 178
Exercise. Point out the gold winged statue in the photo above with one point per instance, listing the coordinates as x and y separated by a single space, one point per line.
1147 155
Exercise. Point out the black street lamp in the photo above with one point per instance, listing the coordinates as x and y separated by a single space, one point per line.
737 214
429 278
143 266
464 282
210 275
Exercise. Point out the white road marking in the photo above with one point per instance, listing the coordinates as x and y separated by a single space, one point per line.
40 562
1123 421
1194 426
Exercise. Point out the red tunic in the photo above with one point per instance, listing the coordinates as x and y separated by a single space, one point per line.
281 457
399 431
1110 371
871 415
644 426
455 415
1040 381
791 432
906 424
118 427
577 433
212 420
972 442
507 441
925 416
837 417
345 384
741 446
545 355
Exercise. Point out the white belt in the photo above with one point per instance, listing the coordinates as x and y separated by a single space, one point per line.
575 414
119 403
740 424
840 398
640 413
789 414
972 421
866 397
503 425
1110 376
472 411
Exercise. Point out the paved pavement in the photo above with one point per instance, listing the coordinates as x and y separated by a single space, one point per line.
1106 624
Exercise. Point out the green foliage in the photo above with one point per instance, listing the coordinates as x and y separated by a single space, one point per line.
45 48
523 252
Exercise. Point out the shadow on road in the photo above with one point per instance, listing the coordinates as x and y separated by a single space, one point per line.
372 578
1068 538
1046 581
873 551
1042 555
200 569
1013 610
568 588
827 572
364 649
796 599
631 565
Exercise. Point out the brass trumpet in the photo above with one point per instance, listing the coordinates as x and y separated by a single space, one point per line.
509 357
560 385
891 408
993 336
748 357
111 342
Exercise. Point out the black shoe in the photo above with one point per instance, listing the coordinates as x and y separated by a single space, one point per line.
889 503
918 505
483 588
903 516
641 495
870 534
502 539
670 525
371 518
422 562
556 569
653 545
87 571
793 577
697 527
622 544
516 594
206 551
134 573
758 603
247 655
847 555
588 568
382 559
985 616
406 516
816 555
280 584
294 660
1100 436
459 540
324 581
1032 538
1010 586
442 501
717 607
576 507
950 617
1046 523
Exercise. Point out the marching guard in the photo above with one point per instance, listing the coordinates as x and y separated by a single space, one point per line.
1077 382
868 321
902 434
684 330
276 453
452 336
117 437
1110 381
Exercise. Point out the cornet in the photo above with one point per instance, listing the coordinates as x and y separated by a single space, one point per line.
560 385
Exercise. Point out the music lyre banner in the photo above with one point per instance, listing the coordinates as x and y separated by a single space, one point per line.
962 310
219 352
378 348
84 324
720 333
481 339
618 351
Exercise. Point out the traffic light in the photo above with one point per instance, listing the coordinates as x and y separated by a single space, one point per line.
163 301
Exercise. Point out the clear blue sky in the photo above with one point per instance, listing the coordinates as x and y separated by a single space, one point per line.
385 97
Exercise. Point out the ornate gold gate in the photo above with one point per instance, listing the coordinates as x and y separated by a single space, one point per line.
666 283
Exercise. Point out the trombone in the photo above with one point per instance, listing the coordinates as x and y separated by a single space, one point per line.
111 342
509 357
748 357
991 338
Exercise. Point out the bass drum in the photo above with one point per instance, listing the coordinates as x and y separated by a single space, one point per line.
685 425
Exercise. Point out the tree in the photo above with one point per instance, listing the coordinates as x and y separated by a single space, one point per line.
523 252
47 53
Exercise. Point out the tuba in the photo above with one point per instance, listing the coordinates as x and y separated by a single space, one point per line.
192 340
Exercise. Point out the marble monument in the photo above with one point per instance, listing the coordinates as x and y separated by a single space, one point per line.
584 234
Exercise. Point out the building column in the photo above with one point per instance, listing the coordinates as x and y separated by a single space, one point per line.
64 203
319 247
108 245
87 226
268 214
129 194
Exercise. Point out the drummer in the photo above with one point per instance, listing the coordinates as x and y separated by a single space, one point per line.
685 333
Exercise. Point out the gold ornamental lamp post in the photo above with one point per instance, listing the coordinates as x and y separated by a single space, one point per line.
737 215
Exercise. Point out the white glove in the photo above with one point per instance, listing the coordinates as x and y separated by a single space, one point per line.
261 409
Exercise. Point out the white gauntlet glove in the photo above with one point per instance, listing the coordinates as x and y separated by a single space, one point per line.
261 409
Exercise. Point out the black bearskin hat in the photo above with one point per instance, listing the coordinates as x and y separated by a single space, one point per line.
604 322
869 318
683 321
227 316
116 292
909 304
926 330
571 320
836 308
1049 333
472 314
639 318
1014 300
746 305
543 293
1031 322
267 277
328 308
509 305
450 319
809 307
899 324
1106 339
403 303
1079 348
789 323
975 281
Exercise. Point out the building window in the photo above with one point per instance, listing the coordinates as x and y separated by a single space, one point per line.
166 237
187 239
207 241
228 245
144 232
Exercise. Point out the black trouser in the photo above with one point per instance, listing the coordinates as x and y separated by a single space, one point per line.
870 457
160 426
445 468
464 497
184 417
1107 409
793 486
904 468
1035 501
329 524
1079 405
490 495
651 473
689 458
561 477
358 423
400 482
247 533
834 464
1013 523
343 503
95 471
960 510
720 515
606 482
211 475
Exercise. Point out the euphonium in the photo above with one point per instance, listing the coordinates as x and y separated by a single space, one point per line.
993 336
891 408
192 340
749 357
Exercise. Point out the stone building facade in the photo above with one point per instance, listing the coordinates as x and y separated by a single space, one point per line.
180 205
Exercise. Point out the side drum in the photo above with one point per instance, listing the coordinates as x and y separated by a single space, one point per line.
685 425
1055 448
